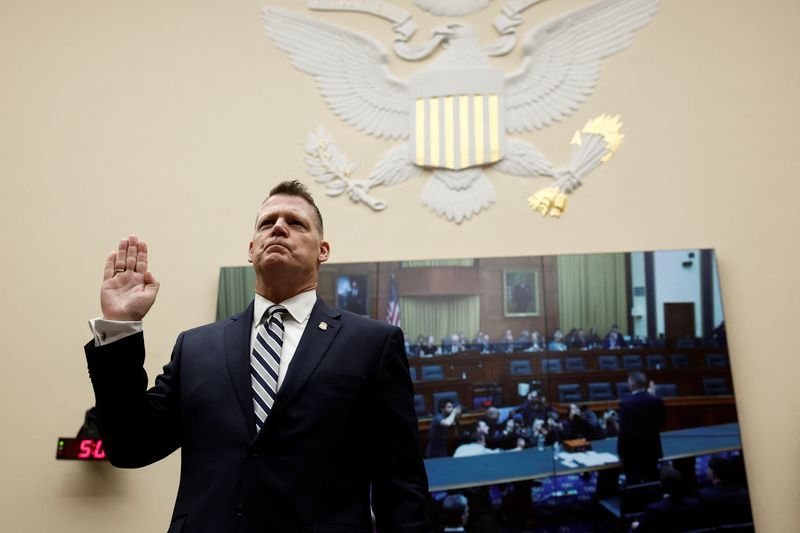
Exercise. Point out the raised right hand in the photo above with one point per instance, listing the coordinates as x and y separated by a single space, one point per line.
128 289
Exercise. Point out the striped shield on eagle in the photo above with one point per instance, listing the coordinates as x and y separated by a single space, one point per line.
458 118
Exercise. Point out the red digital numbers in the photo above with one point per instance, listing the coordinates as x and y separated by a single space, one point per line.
91 449
99 452
86 449
81 449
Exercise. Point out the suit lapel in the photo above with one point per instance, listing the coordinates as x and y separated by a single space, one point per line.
313 345
237 355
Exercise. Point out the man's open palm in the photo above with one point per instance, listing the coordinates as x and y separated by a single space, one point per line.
128 289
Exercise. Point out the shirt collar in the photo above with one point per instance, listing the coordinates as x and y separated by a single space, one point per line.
299 306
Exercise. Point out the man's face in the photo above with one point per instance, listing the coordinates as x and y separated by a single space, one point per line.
447 409
287 235
483 427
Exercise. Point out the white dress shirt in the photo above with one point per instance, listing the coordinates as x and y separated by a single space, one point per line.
299 309
473 448
298 306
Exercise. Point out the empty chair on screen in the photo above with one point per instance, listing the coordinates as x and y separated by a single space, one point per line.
600 391
432 373
569 393
520 367
716 360
551 365
666 390
655 362
632 362
679 360
607 362
715 387
686 342
575 363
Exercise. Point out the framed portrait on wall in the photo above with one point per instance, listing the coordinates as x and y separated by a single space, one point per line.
521 292
351 293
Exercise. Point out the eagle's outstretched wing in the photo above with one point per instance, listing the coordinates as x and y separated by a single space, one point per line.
350 69
524 160
394 167
562 60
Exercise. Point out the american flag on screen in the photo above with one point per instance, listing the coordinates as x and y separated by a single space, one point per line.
393 313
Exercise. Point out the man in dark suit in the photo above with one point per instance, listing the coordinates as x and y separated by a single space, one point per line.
724 500
455 513
641 415
614 339
675 512
336 441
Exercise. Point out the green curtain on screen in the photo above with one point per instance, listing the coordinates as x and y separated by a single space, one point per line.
592 292
440 316
236 288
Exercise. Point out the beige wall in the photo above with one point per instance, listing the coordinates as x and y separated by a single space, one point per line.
171 119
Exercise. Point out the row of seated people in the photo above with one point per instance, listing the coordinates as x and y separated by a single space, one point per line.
595 392
426 346
534 423
722 501
630 362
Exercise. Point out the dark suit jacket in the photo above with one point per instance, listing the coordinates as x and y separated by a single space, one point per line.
672 514
620 342
343 421
725 504
641 416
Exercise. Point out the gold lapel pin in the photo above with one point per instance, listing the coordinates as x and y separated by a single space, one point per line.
323 326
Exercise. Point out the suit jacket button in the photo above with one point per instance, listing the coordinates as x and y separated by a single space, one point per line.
239 511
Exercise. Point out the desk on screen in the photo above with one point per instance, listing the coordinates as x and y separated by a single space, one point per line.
449 473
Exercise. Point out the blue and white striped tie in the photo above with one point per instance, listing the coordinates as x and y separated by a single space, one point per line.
265 362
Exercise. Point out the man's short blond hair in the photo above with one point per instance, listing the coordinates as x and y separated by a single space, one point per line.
295 188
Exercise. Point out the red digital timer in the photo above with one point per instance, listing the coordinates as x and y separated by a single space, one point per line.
81 449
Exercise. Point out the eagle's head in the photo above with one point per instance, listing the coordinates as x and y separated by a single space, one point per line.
454 31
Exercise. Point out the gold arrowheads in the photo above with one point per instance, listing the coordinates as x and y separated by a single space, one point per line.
550 201
599 139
